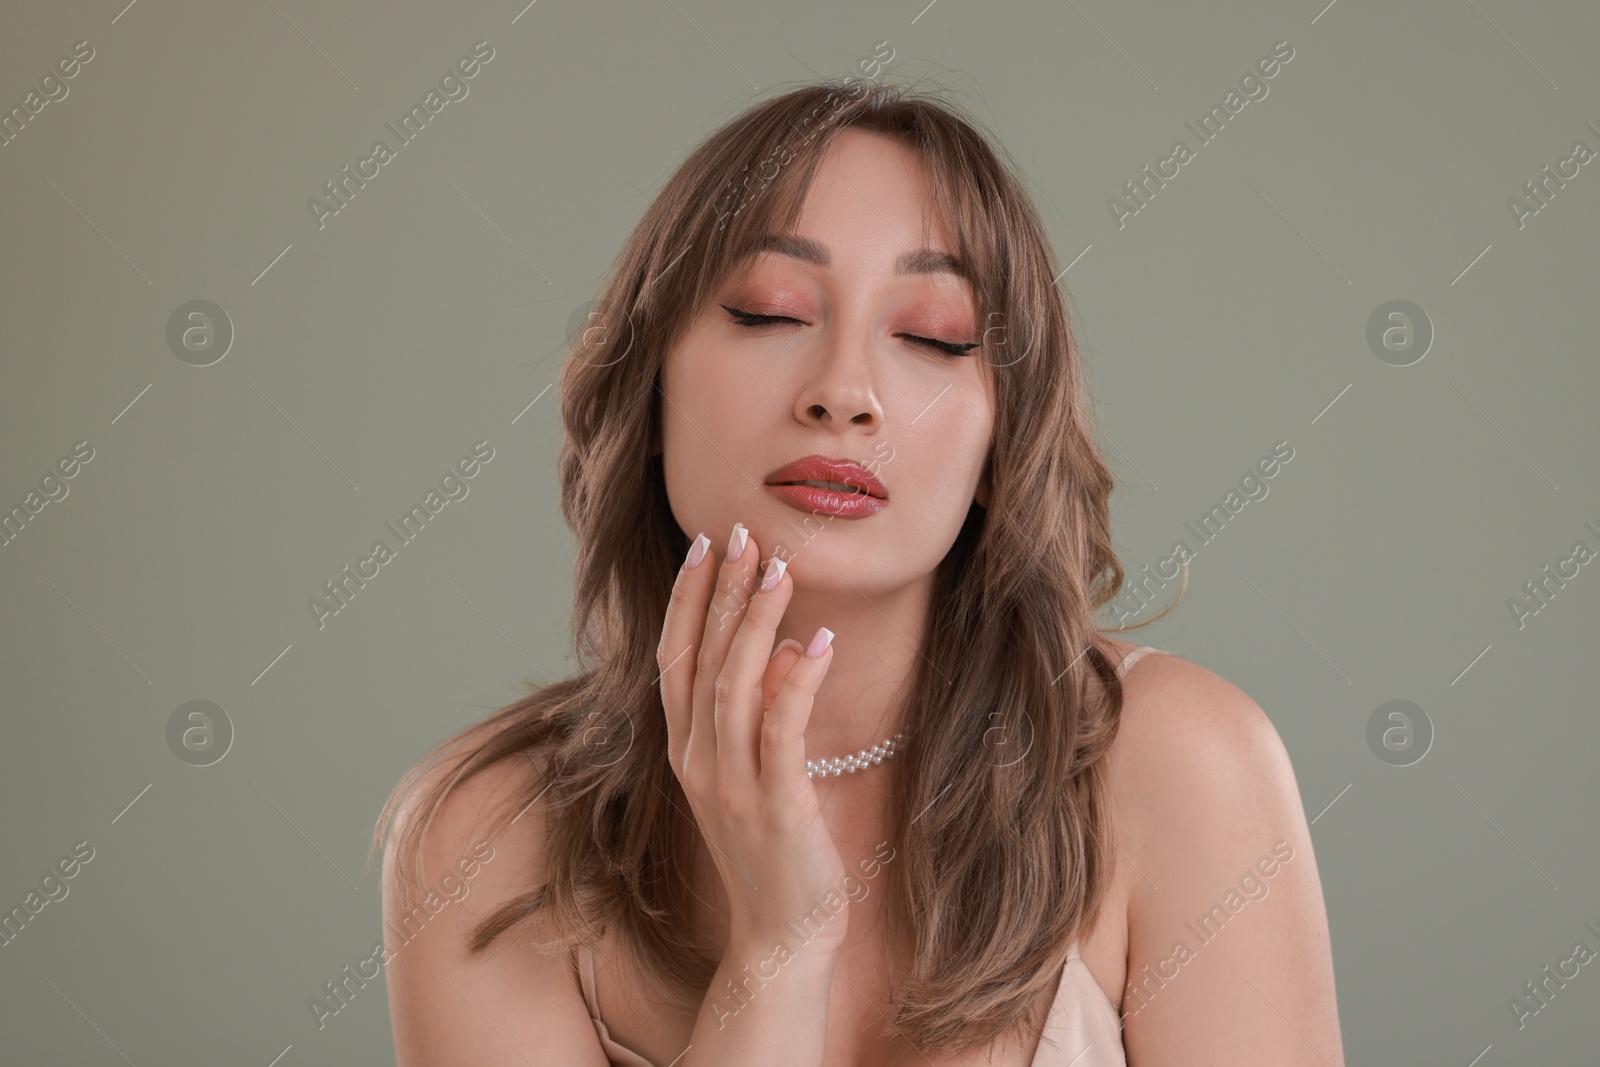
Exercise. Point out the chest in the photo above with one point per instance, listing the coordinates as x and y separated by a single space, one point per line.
858 1030
859 1033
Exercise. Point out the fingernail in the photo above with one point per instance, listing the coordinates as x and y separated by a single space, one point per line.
775 569
697 552
787 641
736 541
820 643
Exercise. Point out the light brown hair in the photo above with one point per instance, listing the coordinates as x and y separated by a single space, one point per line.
1000 862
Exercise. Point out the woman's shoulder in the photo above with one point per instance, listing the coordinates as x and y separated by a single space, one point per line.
1186 732
489 814
1200 781
1212 835
484 849
1181 718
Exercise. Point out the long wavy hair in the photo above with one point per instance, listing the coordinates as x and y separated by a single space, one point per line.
1000 862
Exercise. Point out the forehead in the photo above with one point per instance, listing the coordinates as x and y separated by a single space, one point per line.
808 250
866 183
865 179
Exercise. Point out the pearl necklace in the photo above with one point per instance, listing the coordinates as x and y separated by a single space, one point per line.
866 757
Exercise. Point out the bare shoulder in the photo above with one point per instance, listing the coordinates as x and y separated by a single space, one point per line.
472 818
1209 819
1182 725
449 1004
1198 773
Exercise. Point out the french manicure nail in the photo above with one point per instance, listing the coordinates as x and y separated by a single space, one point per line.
736 541
820 643
697 552
775 569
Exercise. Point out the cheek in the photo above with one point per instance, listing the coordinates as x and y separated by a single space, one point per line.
714 420
950 452
711 398
685 405
703 376
963 435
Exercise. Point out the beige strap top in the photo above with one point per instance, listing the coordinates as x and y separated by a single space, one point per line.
1083 1028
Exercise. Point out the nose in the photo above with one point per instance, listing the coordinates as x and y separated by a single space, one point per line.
840 390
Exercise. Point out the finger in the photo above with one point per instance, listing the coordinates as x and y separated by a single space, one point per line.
788 651
783 729
735 582
739 713
680 641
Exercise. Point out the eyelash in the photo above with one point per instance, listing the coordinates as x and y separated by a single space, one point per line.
949 348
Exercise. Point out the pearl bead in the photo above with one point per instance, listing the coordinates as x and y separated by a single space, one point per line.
840 765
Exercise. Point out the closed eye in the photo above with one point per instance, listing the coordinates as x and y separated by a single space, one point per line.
949 348
746 318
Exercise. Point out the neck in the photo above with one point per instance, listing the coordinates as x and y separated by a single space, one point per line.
878 634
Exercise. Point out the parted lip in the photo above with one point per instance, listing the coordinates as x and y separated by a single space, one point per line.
824 469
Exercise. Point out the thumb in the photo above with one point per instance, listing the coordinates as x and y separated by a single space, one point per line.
787 655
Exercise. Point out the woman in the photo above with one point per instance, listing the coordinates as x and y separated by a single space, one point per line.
831 389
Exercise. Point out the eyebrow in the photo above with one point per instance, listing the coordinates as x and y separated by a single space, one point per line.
921 261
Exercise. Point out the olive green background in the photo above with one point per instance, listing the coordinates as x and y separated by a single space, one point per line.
369 355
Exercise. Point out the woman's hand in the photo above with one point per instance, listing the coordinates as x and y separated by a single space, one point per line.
736 721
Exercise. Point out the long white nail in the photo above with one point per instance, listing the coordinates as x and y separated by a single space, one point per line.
697 551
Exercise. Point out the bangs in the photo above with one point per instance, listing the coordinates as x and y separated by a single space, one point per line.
765 182
748 182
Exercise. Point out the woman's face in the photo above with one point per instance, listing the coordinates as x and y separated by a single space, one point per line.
842 375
